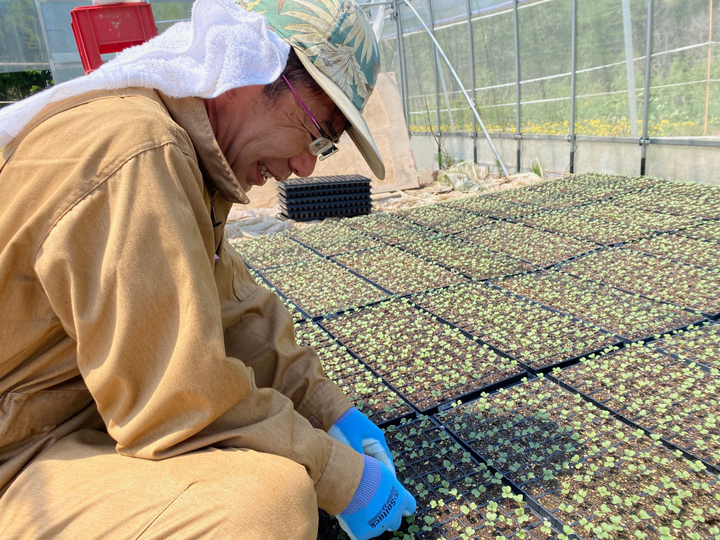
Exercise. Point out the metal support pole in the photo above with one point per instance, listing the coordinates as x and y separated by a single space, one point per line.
709 59
518 135
401 63
472 77
436 68
630 65
46 42
462 88
646 108
573 75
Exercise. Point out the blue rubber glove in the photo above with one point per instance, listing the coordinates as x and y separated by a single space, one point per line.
378 505
358 432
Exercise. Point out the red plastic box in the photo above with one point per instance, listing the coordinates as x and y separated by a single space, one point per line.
110 28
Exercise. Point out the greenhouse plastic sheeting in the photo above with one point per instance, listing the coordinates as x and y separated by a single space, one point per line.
679 77
420 67
545 64
21 43
31 28
605 40
611 56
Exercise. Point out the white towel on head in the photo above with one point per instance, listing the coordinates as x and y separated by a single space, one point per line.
222 47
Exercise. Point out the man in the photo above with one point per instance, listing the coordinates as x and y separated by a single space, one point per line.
149 388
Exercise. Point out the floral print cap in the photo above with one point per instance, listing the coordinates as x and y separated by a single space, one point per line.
336 44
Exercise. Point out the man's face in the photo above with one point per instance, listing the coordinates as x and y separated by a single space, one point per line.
264 139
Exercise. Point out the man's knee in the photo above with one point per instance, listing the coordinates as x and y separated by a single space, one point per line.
277 500
212 493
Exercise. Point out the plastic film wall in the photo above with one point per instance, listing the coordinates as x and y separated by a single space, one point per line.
568 87
36 34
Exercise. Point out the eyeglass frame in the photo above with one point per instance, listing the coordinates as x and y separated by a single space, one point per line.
319 147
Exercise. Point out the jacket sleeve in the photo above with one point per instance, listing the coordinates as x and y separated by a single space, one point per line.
129 271
260 330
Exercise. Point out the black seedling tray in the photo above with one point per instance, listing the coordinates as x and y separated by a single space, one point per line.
315 182
534 505
628 422
688 361
473 394
327 532
305 315
323 191
531 371
619 336
442 403
651 339
323 196
302 205
371 369
322 214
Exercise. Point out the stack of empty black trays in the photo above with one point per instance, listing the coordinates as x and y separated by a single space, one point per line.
319 197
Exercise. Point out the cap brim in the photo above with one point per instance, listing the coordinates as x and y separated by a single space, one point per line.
358 130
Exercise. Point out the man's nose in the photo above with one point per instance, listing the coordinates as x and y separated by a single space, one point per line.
303 164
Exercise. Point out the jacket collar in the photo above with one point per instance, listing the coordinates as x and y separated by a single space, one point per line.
190 114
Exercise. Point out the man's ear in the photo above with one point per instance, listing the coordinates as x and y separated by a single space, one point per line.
232 94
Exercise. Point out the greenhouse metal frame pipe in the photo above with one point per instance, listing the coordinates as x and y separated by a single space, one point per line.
460 84
711 143
472 76
436 67
46 40
630 67
573 76
518 135
646 107
401 61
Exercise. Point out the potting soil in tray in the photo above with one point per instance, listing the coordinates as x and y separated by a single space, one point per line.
492 207
585 228
572 190
457 496
389 228
701 345
468 258
593 472
522 329
533 245
652 276
705 231
334 237
444 219
338 289
428 362
668 397
272 250
295 311
681 249
365 390
656 221
624 314
679 198
398 271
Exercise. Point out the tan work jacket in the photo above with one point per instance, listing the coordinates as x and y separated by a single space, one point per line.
116 312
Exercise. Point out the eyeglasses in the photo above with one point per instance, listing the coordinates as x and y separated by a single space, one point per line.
322 147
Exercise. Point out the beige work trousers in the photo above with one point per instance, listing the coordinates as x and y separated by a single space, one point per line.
82 489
